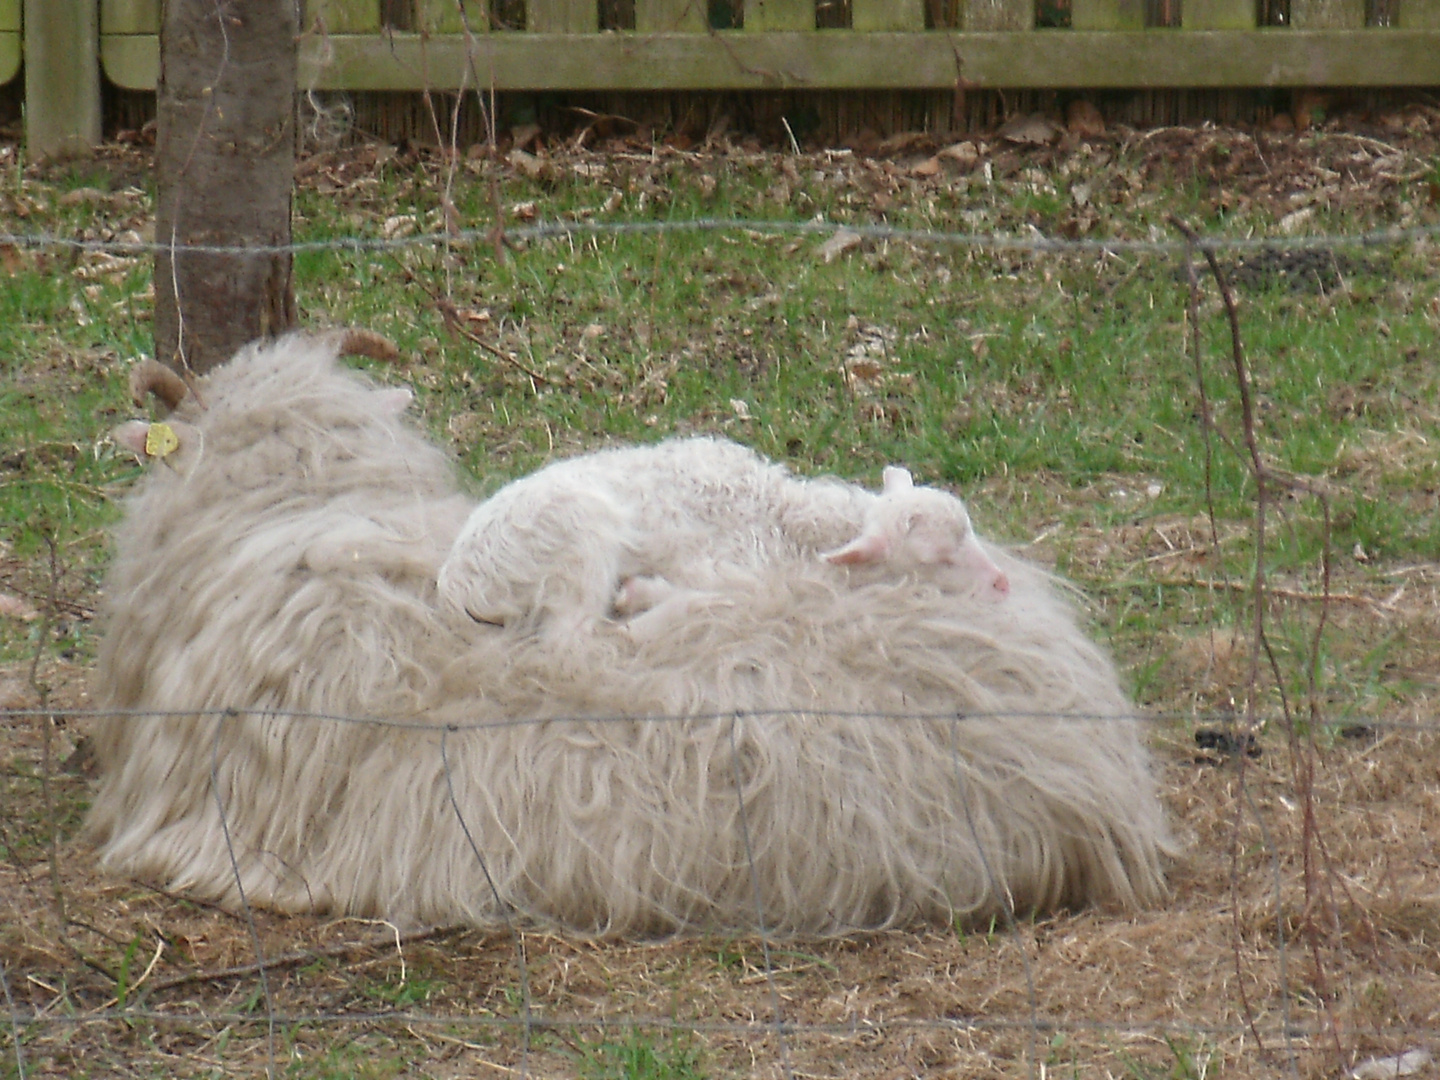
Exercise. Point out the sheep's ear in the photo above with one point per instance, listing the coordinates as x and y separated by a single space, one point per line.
896 479
394 400
131 436
867 548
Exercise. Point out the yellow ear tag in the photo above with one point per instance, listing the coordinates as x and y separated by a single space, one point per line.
161 441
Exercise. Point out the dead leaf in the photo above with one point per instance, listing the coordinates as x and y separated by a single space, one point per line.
1083 119
398 226
15 608
528 164
15 694
844 240
962 154
85 196
903 141
1032 130
1386 1068
865 369
1291 222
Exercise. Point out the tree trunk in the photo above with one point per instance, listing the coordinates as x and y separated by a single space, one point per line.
226 162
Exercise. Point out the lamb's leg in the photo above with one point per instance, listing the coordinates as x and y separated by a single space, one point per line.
653 607
639 594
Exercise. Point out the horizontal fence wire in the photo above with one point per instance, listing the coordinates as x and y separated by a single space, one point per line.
530 1019
1036 243
1158 719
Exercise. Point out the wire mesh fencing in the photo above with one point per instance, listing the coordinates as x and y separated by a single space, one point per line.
1296 938
1293 942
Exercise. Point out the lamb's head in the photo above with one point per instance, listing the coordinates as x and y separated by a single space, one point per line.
911 527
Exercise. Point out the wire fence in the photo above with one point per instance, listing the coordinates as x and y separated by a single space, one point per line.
1323 958
1035 243
531 1018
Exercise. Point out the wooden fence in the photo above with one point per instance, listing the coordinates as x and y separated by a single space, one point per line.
650 45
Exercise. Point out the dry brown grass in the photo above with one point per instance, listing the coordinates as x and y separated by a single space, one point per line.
1301 936
1308 924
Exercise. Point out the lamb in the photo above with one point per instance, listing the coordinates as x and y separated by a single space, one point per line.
283 684
622 531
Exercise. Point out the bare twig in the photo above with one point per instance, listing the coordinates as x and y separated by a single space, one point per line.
451 314
47 731
1207 422
303 956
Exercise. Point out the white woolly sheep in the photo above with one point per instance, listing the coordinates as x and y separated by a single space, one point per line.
290 567
620 531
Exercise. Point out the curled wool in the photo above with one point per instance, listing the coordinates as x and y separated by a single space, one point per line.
292 568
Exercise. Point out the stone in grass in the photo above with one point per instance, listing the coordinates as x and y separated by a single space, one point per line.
1388 1068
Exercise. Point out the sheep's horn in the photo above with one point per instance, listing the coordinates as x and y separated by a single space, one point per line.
353 342
153 377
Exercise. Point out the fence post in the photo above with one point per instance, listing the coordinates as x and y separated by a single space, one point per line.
62 77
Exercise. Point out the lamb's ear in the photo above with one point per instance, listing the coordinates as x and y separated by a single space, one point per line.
867 548
895 478
131 436
395 399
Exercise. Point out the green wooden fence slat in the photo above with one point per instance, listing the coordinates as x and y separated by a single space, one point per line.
343 16
1280 57
780 14
9 40
444 16
1107 14
653 16
129 16
62 76
985 15
9 56
562 16
1328 14
887 14
1420 14
1220 14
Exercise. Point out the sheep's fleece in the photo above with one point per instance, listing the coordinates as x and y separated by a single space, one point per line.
290 568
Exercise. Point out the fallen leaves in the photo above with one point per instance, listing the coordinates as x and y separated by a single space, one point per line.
841 241
13 607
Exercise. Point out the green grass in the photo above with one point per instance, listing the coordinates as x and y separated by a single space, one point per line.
1055 391
641 1057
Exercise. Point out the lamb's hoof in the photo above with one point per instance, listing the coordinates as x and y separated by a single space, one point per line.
639 594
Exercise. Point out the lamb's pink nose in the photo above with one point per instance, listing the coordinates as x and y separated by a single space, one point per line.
1001 584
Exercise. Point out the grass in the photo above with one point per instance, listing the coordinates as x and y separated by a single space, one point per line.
1054 391
640 1057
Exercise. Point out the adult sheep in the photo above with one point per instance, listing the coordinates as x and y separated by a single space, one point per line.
282 559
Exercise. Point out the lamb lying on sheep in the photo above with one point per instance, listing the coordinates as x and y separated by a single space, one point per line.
624 531
893 751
